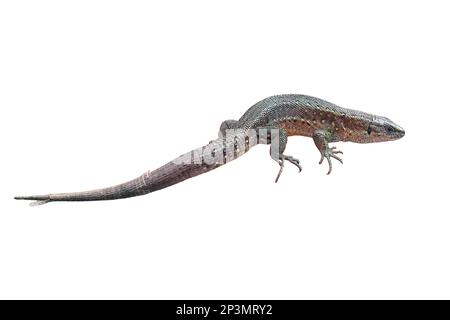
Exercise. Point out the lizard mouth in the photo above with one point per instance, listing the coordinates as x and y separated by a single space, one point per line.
395 131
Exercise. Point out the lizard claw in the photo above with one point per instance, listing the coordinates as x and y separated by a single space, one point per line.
328 154
292 160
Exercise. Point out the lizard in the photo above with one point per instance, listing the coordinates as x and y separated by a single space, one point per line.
270 121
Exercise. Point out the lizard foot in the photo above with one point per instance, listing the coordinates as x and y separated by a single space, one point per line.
328 154
292 160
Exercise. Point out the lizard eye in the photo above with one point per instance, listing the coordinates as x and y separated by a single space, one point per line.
369 130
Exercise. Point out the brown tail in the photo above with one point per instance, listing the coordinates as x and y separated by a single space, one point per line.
189 165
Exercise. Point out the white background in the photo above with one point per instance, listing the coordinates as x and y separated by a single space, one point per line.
94 93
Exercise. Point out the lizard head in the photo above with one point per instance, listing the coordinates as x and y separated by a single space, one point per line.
380 129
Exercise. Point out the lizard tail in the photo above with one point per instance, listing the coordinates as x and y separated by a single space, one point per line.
191 164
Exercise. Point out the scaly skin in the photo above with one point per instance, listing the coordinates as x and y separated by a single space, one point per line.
269 121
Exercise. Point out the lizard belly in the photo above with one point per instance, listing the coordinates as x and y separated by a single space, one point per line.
297 127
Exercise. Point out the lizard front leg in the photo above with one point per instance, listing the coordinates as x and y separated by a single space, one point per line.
321 139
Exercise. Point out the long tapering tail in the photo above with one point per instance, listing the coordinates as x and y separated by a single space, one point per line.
191 164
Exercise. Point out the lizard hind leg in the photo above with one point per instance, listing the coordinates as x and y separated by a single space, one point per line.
277 137
292 160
